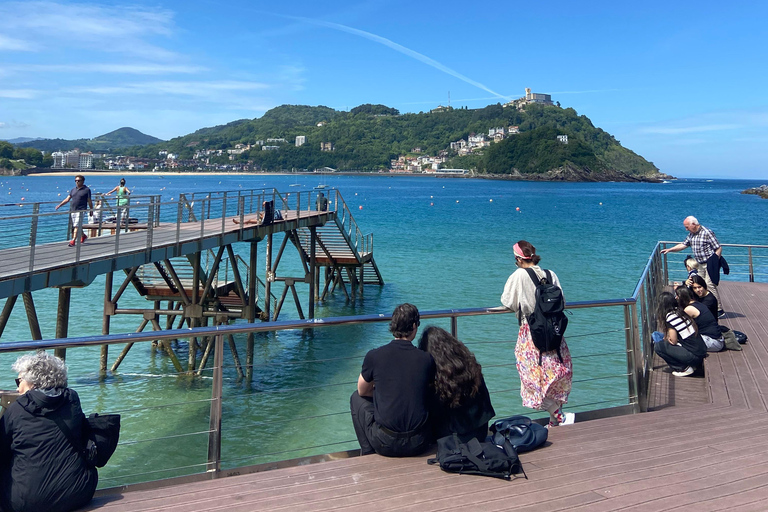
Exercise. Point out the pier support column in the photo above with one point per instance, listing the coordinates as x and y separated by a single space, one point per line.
251 313
109 309
270 276
6 314
34 324
312 269
62 319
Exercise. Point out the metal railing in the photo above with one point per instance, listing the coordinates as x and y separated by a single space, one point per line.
211 211
215 339
625 346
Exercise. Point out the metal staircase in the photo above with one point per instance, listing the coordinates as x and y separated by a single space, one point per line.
341 245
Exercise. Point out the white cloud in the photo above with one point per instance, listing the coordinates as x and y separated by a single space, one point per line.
20 94
17 45
41 25
202 89
137 68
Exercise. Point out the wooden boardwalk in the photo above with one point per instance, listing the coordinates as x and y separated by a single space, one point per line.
703 448
56 264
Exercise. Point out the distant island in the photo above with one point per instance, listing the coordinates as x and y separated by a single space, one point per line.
761 191
530 138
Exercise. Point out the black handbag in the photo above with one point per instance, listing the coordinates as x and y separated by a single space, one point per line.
103 433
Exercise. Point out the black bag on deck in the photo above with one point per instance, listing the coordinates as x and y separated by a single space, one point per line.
741 337
104 434
548 321
730 338
520 432
476 458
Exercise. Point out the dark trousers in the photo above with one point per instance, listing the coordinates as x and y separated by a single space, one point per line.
676 356
376 439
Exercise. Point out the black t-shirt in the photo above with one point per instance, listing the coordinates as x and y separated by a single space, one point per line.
402 374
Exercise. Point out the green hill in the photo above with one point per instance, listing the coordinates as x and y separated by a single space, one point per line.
118 139
369 136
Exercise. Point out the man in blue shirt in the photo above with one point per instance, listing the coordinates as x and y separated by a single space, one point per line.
390 409
80 196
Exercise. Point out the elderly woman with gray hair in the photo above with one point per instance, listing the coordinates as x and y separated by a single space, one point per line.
40 469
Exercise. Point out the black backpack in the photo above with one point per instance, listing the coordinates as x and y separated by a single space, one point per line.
548 321
476 458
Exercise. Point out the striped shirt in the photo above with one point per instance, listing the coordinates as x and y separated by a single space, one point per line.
703 243
684 328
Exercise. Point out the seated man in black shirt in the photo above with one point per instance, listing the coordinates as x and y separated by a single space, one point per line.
391 404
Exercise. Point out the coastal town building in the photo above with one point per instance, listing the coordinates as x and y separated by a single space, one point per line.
326 146
301 140
563 139
72 159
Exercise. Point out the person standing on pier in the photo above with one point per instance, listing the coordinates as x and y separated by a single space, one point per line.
80 196
122 193
707 251
390 409
546 377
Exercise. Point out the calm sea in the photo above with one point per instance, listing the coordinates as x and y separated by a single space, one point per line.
439 243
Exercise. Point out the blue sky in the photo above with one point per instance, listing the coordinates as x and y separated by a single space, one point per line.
681 83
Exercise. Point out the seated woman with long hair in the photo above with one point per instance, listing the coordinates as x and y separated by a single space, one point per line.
463 404
705 321
699 288
682 347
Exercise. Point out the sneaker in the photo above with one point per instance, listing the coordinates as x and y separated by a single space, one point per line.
83 238
721 314
570 419
688 371
71 243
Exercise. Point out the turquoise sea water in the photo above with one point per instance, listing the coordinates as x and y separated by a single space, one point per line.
440 243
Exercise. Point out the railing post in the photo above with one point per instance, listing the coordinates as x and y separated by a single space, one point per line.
665 271
637 395
751 268
202 219
223 213
179 215
33 236
150 222
214 430
455 326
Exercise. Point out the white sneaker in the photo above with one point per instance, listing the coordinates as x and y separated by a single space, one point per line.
689 370
570 418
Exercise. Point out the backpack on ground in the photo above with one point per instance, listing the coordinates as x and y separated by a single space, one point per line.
476 458
520 432
548 321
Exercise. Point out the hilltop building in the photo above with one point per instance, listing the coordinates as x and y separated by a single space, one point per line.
301 140
326 146
72 159
530 97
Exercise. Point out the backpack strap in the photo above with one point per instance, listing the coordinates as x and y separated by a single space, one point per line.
548 276
534 276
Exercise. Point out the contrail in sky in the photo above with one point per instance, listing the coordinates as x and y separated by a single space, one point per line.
399 48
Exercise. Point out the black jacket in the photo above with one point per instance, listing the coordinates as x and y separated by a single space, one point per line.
40 470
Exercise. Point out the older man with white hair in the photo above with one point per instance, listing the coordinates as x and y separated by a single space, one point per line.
704 245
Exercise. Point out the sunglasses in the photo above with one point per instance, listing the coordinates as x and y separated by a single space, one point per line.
18 382
78 181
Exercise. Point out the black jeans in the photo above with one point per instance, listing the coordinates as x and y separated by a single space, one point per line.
374 438
676 356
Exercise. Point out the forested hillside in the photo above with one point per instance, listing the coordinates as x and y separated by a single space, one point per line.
370 136
120 138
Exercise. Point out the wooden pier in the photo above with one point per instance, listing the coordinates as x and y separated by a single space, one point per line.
704 447
163 255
